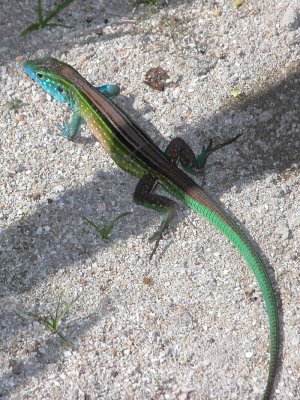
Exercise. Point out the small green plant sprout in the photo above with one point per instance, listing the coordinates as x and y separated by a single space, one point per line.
14 104
53 321
236 92
105 231
238 3
44 21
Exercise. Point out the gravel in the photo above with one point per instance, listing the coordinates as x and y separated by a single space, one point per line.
190 324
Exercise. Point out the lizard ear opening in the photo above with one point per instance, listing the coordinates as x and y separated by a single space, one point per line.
60 89
39 75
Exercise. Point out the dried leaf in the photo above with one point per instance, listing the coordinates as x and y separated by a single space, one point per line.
156 78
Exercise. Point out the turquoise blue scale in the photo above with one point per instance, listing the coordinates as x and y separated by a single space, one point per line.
69 130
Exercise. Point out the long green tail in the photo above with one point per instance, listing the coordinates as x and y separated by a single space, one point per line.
223 223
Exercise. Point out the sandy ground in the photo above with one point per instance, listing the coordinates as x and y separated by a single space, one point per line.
190 324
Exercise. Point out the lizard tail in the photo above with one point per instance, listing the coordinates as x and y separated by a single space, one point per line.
205 206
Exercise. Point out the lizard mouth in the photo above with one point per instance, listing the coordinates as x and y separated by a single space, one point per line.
32 67
29 69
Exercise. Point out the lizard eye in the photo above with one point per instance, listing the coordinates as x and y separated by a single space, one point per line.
39 75
60 89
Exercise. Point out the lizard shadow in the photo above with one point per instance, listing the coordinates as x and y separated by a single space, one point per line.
29 257
267 153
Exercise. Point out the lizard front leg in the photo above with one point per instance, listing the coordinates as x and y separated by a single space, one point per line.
144 196
70 130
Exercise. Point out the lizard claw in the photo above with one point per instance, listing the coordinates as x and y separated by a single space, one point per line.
209 149
63 129
157 236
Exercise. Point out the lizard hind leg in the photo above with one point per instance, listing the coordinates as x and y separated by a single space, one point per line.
144 196
178 151
207 151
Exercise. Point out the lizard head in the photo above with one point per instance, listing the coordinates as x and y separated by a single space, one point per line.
46 72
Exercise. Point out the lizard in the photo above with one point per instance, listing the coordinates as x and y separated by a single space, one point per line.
136 153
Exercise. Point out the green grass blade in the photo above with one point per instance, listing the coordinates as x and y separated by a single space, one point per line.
52 321
66 340
109 227
95 226
30 28
105 231
59 7
40 12
68 307
43 22
119 217
42 320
